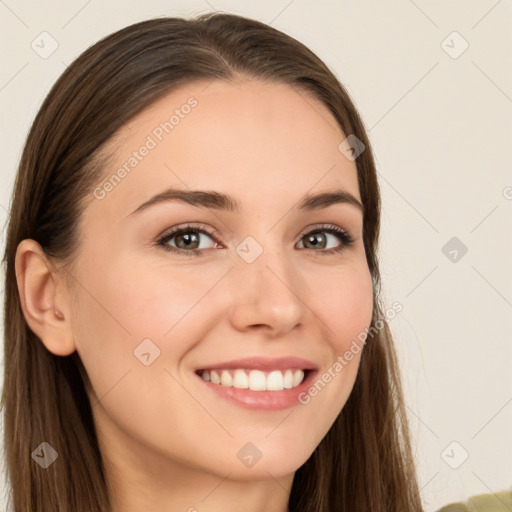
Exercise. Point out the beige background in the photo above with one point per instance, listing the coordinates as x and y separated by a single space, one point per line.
440 122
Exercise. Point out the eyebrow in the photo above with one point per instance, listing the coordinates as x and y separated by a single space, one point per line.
220 201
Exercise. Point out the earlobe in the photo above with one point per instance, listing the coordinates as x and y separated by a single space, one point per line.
42 298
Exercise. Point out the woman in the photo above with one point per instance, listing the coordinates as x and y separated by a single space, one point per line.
147 371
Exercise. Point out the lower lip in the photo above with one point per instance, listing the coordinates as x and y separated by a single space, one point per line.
262 400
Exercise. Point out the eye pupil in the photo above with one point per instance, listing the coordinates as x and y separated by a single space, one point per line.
312 237
190 239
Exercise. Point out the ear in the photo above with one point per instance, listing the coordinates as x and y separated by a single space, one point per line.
43 296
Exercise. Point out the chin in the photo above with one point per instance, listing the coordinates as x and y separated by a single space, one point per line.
267 462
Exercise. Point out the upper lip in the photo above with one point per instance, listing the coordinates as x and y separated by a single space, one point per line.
263 363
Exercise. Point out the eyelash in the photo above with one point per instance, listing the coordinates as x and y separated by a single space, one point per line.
342 235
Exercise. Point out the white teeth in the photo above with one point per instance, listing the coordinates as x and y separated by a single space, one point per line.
226 379
255 380
288 379
240 380
275 381
298 377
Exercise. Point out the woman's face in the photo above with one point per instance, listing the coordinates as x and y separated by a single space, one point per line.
258 283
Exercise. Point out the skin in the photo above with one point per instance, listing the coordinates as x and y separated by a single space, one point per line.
169 443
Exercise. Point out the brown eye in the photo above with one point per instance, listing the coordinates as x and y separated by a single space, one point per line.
187 240
318 239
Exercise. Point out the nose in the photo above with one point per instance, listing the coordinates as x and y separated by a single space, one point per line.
267 294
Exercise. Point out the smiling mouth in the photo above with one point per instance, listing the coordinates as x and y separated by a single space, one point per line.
255 380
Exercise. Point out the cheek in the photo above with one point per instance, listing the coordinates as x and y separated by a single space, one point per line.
346 304
345 311
123 302
120 306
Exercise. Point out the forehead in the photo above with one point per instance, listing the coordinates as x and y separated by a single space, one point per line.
250 139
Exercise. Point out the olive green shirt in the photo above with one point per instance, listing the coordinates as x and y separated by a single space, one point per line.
495 502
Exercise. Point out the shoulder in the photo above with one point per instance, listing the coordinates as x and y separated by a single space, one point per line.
493 502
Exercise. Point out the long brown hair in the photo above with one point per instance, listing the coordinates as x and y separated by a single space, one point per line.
365 461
